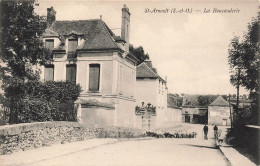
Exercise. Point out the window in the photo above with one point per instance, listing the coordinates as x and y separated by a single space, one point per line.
49 44
71 73
94 77
73 44
49 73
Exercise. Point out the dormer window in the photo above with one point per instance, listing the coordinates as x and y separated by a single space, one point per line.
49 44
73 44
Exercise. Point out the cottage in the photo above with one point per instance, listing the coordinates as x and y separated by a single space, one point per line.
219 112
151 92
89 53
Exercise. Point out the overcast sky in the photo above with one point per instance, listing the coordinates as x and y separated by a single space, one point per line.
191 49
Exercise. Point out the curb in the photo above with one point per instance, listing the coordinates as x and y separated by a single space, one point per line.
234 157
229 163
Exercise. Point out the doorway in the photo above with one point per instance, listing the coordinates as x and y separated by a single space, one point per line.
224 122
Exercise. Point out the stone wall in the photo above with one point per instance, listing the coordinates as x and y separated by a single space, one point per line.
33 135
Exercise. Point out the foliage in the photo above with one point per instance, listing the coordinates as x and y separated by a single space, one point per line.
139 53
21 49
244 56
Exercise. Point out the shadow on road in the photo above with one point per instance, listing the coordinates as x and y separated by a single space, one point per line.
199 146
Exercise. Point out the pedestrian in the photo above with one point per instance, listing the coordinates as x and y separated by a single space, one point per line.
215 132
205 130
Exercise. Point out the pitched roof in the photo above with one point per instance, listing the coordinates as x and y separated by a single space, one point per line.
144 71
190 101
96 32
219 101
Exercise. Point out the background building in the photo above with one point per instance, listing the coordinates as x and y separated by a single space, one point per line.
151 89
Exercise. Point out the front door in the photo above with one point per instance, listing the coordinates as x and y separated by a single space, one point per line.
224 122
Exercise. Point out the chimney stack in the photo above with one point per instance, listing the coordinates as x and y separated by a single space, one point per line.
51 16
125 28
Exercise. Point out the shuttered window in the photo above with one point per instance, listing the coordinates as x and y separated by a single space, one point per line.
49 73
94 77
71 73
49 43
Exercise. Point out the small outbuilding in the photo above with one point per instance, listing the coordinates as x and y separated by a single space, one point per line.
219 112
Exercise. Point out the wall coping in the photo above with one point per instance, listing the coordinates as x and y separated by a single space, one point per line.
15 129
253 126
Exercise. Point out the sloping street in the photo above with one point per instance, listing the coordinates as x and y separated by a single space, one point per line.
141 151
146 152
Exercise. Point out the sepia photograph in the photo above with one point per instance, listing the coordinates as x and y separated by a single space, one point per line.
129 83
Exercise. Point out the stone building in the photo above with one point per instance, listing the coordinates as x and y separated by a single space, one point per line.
89 53
150 89
219 112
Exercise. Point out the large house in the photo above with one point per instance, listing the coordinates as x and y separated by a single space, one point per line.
90 54
151 90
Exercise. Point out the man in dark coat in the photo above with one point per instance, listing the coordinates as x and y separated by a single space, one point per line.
215 132
205 130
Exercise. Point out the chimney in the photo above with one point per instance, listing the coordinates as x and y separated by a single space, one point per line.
125 28
51 16
148 63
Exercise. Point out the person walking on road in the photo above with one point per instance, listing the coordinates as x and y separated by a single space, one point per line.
215 132
205 130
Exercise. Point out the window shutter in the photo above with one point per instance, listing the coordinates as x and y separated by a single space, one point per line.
49 73
94 76
71 73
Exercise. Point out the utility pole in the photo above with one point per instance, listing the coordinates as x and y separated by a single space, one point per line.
238 84
230 110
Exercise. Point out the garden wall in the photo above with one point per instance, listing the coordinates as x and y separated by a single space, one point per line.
33 135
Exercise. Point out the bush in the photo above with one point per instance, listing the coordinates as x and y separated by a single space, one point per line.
34 110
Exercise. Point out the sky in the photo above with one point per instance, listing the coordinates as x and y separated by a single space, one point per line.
191 49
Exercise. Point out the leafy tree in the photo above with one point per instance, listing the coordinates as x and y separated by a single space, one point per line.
21 49
139 53
244 61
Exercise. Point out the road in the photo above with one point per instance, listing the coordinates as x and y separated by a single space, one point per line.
164 151
142 151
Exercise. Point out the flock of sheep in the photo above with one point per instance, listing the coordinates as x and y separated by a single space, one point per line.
171 134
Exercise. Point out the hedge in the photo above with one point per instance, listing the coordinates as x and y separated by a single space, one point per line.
43 101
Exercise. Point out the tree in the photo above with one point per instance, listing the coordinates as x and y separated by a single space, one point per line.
244 61
139 53
21 49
